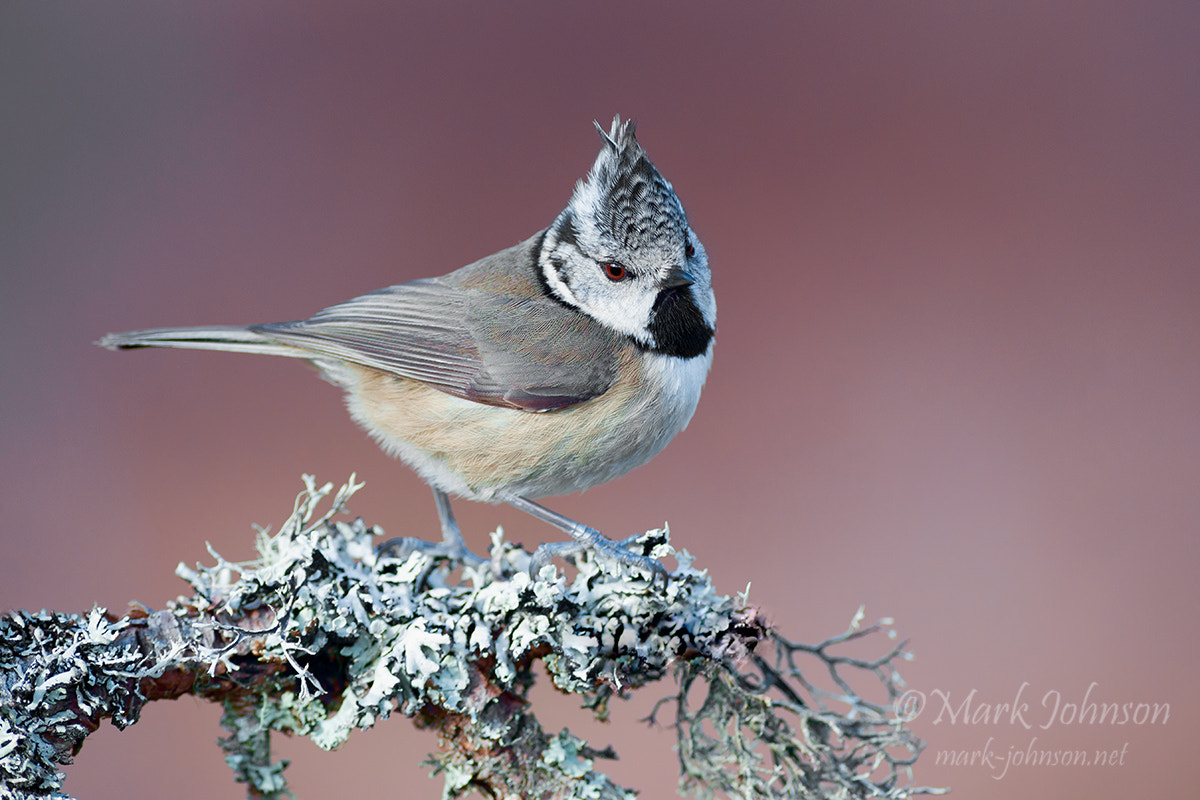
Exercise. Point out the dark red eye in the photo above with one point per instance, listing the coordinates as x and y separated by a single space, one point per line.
689 250
615 272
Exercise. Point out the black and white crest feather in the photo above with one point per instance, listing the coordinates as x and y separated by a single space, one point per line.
626 194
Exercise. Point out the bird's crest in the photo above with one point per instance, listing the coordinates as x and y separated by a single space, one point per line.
625 193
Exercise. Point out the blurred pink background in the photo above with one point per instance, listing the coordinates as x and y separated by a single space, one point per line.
956 250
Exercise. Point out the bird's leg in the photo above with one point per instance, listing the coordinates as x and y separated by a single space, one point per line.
452 545
585 538
451 535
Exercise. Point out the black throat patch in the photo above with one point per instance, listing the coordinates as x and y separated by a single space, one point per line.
678 326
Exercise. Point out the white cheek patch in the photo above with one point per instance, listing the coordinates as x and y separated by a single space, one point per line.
624 312
637 317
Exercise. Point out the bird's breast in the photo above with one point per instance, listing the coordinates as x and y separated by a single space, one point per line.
475 450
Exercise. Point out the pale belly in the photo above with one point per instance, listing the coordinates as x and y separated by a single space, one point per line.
476 451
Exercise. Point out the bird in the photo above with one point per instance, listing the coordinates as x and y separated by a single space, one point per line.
546 368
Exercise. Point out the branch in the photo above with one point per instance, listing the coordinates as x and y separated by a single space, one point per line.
323 633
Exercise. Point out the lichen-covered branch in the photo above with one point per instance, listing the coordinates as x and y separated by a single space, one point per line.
325 632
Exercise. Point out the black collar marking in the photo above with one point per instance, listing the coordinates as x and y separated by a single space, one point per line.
555 263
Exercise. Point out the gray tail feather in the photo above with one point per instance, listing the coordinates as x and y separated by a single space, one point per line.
211 337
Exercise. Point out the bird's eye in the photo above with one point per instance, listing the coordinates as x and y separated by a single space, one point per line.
688 249
614 272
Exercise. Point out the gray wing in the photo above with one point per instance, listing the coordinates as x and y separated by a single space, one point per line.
531 354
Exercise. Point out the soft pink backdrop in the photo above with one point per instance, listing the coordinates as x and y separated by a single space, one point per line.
957 255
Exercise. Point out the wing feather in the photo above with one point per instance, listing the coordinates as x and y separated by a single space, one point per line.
527 353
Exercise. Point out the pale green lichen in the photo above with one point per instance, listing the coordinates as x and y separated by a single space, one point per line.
563 753
322 634
56 672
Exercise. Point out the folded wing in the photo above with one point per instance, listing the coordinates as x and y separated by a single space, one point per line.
530 354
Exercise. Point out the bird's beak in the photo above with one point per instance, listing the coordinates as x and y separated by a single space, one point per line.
678 278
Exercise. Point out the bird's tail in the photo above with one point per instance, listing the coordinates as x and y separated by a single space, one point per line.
210 337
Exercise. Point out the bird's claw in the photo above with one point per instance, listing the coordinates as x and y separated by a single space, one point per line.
591 539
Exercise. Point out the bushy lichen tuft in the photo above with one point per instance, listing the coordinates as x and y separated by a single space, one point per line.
60 674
